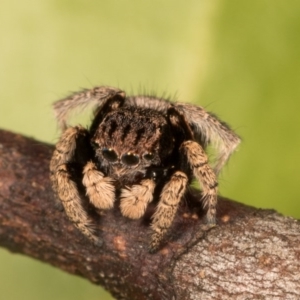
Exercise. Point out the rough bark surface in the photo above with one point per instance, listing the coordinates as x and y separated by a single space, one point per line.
251 254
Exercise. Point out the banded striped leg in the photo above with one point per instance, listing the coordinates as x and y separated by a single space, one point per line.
208 129
96 97
167 207
198 161
134 199
64 186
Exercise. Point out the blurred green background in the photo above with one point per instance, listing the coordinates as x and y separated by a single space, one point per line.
239 59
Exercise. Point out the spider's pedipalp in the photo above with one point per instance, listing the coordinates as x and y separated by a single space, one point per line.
96 97
198 161
134 199
63 185
99 188
209 129
170 197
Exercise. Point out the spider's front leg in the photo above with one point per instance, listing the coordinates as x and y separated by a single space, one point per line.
167 207
63 184
198 161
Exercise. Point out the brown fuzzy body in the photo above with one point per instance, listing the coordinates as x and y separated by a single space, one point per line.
136 148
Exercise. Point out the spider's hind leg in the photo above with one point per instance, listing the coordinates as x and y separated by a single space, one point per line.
207 178
208 129
97 97
63 184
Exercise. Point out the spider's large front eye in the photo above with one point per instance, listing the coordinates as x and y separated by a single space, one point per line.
109 154
130 159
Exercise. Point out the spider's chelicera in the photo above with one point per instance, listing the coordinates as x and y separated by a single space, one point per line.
136 148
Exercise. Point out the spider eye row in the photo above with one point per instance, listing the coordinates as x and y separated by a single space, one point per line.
128 158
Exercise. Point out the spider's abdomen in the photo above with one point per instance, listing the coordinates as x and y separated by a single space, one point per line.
131 139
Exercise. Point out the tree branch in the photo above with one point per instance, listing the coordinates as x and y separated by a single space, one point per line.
251 254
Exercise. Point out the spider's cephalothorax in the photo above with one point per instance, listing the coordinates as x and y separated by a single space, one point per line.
129 141
135 148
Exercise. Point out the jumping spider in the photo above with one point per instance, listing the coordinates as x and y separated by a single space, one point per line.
136 149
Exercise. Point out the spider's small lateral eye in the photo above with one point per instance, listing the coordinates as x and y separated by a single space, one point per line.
148 156
109 154
130 159
94 145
